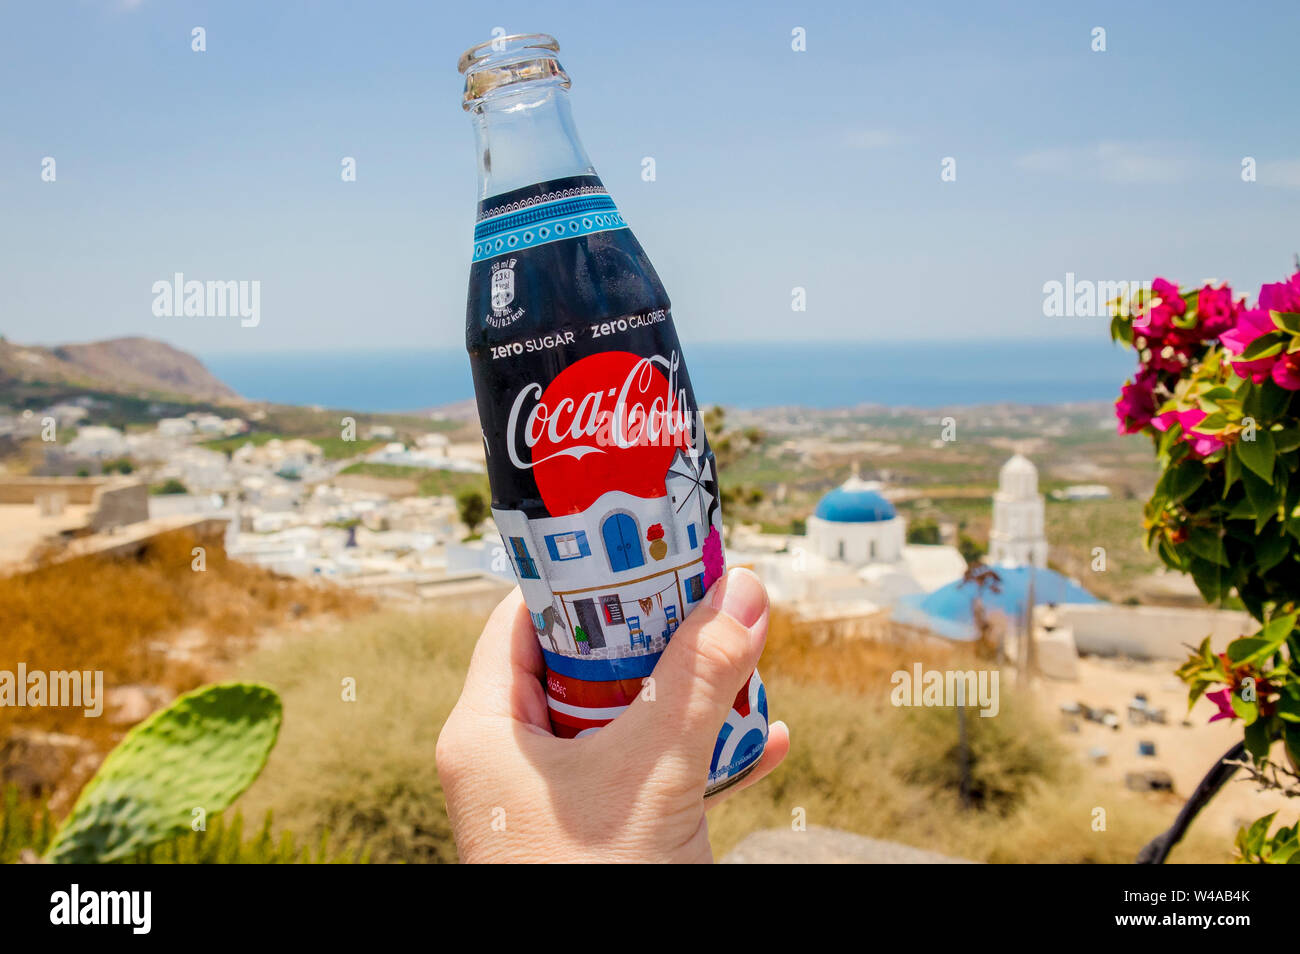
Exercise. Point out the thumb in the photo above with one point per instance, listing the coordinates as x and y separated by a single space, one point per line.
708 661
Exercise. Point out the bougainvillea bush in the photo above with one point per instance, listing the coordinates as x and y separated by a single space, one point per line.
1216 390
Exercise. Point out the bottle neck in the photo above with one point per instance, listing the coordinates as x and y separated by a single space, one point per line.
524 136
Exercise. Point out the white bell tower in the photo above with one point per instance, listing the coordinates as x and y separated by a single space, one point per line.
1017 537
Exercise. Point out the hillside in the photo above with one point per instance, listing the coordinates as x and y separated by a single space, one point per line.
118 365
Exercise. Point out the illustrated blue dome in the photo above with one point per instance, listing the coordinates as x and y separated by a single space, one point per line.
855 501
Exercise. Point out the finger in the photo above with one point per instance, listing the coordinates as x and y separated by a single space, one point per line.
506 669
708 660
774 753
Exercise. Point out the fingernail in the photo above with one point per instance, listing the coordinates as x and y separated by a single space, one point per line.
741 596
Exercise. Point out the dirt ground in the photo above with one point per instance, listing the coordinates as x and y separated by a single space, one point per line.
1185 746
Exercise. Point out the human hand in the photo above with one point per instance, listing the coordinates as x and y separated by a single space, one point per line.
634 791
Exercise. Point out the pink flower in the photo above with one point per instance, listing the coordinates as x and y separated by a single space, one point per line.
1167 291
1158 320
1286 372
1215 310
1137 403
1251 324
1281 296
1222 699
1203 445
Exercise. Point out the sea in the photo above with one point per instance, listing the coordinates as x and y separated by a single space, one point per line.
927 374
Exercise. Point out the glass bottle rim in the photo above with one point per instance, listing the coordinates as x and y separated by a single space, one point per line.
508 61
514 43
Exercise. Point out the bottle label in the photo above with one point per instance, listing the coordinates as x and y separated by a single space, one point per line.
565 212
604 488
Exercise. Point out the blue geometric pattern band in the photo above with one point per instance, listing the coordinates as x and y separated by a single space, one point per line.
544 223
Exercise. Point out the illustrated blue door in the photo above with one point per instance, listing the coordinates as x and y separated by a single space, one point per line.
622 542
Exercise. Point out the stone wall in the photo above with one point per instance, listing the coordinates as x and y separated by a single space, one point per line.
119 505
1149 632
26 490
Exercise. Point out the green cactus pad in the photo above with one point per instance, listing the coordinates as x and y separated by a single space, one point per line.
202 751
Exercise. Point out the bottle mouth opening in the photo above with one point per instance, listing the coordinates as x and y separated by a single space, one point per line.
508 61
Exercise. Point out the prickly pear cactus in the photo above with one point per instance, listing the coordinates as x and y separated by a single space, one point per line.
200 752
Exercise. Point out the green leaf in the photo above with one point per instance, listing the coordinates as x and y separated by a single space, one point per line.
1265 346
1261 494
1254 836
1273 400
1287 439
1288 321
1271 549
1207 544
1288 707
1257 741
1248 711
1280 626
1291 736
1284 851
1208 578
1231 470
1217 394
1240 649
201 751
1258 454
1184 479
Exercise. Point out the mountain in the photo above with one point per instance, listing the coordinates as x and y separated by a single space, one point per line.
120 365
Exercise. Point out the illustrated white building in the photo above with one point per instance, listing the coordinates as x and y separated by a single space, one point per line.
646 556
1018 537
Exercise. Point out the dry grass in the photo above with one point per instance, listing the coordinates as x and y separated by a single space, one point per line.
861 765
364 770
118 615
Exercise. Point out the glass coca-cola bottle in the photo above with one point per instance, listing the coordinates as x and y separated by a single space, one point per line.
604 488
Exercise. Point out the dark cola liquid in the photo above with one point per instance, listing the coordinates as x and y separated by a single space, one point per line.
603 485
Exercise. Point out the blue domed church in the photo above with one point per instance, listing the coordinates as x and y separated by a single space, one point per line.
855 524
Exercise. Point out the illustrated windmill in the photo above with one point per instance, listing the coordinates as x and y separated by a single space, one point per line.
691 483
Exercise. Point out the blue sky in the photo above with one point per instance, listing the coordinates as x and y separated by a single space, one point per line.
775 168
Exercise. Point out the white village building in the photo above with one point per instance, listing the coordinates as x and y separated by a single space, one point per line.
855 524
854 558
1018 537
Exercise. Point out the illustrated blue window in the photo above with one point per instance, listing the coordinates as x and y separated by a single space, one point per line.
690 535
622 542
568 546
524 564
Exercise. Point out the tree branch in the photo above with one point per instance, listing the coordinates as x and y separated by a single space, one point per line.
1157 850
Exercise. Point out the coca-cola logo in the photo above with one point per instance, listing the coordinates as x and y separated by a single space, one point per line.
612 421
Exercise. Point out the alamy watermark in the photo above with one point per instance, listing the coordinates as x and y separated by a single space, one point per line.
179 298
1084 298
946 688
58 689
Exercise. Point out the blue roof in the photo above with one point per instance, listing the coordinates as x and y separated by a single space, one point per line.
843 505
947 610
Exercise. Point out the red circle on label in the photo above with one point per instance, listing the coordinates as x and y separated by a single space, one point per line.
607 422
